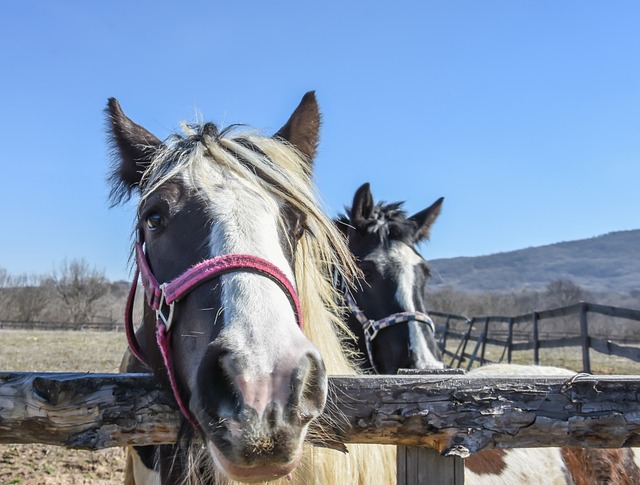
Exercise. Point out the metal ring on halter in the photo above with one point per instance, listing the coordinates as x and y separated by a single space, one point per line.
159 297
167 320
371 328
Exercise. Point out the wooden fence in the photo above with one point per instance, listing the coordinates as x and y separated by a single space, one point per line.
534 342
95 326
452 414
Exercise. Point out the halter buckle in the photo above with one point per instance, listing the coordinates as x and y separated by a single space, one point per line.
162 304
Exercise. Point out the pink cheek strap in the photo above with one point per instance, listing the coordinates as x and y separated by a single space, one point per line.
162 299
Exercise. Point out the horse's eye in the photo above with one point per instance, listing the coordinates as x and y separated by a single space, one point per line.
154 220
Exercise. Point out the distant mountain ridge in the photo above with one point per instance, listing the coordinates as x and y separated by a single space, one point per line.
610 262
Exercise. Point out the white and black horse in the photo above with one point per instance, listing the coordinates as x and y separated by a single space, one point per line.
237 261
386 310
383 240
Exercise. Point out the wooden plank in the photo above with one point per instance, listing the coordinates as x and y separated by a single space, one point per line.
454 414
452 316
536 339
586 341
549 344
559 312
458 413
618 312
417 466
86 411
465 356
612 311
445 334
510 341
463 343
611 348
63 326
484 337
474 354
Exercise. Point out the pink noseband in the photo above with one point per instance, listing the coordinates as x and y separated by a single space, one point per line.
163 297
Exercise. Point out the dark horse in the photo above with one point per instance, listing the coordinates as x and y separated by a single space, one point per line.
387 311
236 259
383 241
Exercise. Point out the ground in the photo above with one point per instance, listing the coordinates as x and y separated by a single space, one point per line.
34 351
70 351
49 465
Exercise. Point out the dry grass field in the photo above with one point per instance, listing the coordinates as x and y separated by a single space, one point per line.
61 351
567 357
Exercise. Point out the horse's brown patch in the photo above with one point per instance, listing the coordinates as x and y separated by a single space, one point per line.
487 462
603 466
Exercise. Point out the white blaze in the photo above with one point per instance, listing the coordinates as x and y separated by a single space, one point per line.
258 316
405 259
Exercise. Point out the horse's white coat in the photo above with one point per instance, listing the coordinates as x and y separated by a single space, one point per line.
141 474
319 250
246 221
530 466
404 259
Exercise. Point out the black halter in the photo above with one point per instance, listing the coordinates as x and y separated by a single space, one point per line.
372 327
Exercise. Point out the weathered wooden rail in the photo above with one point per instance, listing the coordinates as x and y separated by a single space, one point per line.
535 342
63 326
455 414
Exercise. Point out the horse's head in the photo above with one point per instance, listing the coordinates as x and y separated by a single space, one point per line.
247 377
383 241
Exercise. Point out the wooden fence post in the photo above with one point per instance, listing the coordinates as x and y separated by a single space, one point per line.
417 466
445 333
536 340
463 344
484 340
510 341
479 344
586 340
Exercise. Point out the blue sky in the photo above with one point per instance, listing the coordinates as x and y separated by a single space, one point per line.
525 116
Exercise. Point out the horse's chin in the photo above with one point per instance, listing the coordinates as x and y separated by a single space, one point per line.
253 474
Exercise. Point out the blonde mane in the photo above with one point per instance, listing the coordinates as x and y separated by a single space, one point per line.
275 168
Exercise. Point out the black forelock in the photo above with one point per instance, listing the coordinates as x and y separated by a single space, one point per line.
388 221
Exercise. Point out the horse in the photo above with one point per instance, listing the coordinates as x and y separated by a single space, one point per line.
383 240
236 259
386 311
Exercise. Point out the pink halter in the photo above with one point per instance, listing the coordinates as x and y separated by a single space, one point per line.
162 298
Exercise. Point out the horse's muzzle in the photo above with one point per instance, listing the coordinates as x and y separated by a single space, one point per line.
255 425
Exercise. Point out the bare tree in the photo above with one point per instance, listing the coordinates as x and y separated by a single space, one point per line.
564 292
79 287
26 298
4 277
21 297
4 295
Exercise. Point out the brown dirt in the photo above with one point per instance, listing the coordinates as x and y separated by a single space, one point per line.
49 465
66 351
36 351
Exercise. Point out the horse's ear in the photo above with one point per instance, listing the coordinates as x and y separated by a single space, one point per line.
133 149
302 129
425 219
362 207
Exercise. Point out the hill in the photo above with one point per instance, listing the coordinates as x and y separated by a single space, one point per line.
604 263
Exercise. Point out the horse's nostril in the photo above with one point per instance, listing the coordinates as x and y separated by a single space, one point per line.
311 392
219 394
230 397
